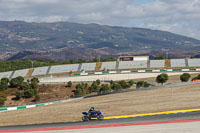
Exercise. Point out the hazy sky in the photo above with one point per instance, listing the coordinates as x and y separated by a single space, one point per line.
177 16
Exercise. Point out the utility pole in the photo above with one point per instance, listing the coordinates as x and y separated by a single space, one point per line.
99 58
32 63
167 55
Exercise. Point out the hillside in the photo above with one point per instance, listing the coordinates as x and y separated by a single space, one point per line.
66 40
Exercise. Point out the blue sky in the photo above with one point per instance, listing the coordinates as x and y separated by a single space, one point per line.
177 16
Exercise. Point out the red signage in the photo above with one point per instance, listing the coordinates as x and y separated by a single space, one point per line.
126 58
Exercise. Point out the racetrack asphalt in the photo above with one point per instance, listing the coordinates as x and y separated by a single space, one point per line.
147 119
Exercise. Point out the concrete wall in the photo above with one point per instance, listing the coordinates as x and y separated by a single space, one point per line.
132 64
108 65
157 63
40 71
88 66
5 74
64 68
178 63
22 73
194 62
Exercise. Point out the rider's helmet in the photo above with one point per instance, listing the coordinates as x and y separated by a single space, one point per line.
92 109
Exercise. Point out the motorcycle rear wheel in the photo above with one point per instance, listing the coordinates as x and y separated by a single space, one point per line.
85 118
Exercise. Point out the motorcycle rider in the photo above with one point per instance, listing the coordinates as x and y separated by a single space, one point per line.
92 111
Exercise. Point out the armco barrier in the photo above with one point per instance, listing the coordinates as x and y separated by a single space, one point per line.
139 71
36 105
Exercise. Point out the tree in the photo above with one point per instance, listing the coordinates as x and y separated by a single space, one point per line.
34 83
4 84
69 84
25 86
95 59
16 82
98 82
20 79
162 78
5 80
185 77
159 58
35 80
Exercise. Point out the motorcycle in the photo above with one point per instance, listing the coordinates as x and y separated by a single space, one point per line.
93 115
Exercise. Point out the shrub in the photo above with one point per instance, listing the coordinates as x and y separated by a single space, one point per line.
93 87
69 84
146 84
79 92
131 82
111 82
123 84
196 78
105 88
185 77
2 101
37 98
81 86
141 84
19 95
80 89
116 86
3 95
29 93
162 78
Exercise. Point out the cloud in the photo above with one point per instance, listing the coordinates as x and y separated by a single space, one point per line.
178 16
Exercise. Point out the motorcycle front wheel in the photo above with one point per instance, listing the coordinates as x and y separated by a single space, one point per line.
100 117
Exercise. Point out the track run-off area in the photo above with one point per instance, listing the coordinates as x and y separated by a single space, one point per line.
106 77
178 121
183 121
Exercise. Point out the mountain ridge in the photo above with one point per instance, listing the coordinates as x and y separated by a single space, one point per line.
19 36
